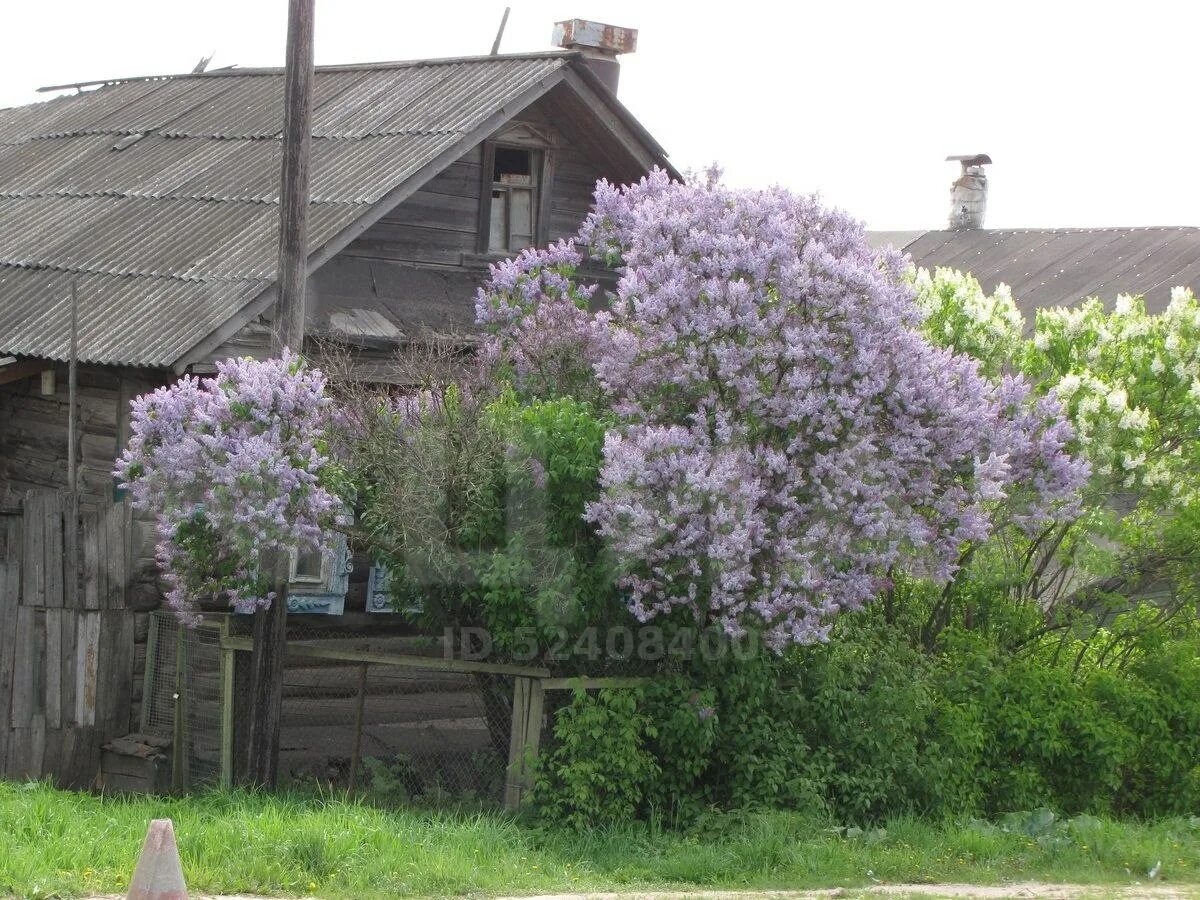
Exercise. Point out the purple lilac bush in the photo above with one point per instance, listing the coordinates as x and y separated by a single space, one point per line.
231 466
786 436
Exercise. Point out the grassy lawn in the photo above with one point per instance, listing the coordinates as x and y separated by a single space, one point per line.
54 843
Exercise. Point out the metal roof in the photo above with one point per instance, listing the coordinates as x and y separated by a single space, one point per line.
161 194
1048 267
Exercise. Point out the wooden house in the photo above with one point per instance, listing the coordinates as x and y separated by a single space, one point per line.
157 199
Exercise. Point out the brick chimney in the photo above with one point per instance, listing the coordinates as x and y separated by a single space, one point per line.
600 45
968 194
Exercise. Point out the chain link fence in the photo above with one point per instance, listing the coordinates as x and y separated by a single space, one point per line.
377 711
182 697
395 732
352 719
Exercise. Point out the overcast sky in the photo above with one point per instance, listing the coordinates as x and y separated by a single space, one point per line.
1088 109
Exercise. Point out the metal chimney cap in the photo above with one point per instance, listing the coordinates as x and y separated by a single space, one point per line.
608 39
971 159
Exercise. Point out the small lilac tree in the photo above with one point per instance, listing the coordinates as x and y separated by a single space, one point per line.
786 436
231 467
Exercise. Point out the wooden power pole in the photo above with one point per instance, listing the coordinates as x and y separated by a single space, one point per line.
270 624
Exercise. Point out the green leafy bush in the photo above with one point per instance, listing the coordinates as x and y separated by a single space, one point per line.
681 743
599 765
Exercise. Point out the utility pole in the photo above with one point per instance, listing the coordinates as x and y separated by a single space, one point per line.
270 624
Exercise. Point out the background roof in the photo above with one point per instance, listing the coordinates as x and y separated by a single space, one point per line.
1061 266
160 196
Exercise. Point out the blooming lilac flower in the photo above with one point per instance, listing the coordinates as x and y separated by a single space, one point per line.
786 435
231 467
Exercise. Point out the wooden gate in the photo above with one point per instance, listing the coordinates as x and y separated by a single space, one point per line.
66 636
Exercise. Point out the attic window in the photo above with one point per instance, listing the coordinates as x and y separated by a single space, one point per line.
514 199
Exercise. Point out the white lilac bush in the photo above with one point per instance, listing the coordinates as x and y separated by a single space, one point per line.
1129 381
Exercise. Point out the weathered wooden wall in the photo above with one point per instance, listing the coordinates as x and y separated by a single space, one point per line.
33 456
66 637
439 224
33 430
420 263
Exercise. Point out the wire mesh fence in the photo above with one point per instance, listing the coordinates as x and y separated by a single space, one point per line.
394 732
378 711
351 719
183 697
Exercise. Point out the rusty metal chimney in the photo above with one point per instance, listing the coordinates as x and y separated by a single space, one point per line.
968 194
600 45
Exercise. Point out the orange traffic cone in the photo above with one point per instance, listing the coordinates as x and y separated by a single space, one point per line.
158 875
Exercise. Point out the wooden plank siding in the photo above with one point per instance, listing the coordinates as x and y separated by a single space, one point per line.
70 647
65 670
33 430
439 225
420 265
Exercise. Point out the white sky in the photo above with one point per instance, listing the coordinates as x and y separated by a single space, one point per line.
1088 108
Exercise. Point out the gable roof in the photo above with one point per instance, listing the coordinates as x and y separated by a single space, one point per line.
159 196
1048 267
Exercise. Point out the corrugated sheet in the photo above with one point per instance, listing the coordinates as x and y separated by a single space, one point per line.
1061 266
123 320
175 232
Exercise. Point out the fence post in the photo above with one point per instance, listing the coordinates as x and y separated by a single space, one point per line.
179 756
148 673
526 738
533 730
227 666
356 754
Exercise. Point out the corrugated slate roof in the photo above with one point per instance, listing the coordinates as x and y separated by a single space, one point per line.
161 195
1048 267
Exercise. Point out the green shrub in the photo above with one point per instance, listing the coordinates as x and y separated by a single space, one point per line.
868 727
599 765
760 758
681 744
868 709
1157 701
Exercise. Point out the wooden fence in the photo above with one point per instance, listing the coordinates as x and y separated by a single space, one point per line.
529 686
66 636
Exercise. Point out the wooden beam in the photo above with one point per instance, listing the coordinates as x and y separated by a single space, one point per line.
483 229
545 200
287 332
73 396
288 325
25 369
228 661
592 684
515 771
403 660
629 142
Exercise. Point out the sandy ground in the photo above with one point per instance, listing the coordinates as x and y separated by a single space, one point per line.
1024 889
1019 890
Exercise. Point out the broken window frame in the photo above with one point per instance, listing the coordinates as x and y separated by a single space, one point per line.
538 162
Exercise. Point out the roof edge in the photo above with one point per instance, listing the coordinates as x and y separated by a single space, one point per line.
593 81
231 71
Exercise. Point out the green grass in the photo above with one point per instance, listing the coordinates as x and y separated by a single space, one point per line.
56 843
